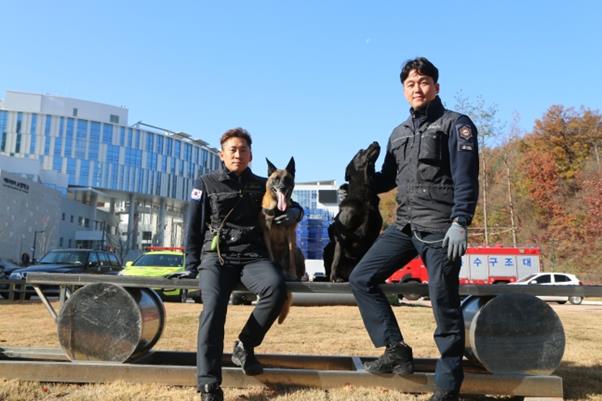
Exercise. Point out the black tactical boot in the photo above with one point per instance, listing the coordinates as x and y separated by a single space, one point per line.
396 359
440 395
245 358
211 392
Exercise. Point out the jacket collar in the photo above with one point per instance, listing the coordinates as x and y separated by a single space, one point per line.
226 175
429 113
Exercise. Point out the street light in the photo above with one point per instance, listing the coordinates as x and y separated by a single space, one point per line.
33 249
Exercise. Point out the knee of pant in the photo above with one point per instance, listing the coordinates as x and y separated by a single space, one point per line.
275 287
357 280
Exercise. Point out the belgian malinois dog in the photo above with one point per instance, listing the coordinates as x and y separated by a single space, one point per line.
281 240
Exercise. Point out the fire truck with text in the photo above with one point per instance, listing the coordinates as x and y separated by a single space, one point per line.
480 265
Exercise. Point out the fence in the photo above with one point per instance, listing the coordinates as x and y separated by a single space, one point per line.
14 289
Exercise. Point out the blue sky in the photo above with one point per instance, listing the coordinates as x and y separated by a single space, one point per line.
316 80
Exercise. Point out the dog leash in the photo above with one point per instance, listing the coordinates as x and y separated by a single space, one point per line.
215 239
425 241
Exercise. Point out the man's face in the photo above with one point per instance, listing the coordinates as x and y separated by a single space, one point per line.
236 155
419 89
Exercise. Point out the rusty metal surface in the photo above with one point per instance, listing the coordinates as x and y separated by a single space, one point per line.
105 322
311 287
513 333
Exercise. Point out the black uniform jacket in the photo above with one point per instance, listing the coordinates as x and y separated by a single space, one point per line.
432 158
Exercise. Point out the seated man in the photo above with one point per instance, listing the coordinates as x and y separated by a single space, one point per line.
225 244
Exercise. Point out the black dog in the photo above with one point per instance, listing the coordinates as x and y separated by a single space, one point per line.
358 223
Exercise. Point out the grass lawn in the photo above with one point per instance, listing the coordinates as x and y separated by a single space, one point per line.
332 330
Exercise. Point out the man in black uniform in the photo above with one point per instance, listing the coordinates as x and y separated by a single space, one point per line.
432 158
225 243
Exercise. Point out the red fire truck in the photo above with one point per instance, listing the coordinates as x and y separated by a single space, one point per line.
480 265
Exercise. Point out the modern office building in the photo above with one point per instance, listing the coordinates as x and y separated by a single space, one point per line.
320 200
140 172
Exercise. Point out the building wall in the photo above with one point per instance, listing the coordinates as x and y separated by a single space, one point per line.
104 155
26 207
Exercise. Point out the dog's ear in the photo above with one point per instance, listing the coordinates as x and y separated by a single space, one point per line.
271 167
290 167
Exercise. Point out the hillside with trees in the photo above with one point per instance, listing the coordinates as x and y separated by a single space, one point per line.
541 188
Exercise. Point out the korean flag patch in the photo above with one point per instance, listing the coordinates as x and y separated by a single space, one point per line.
196 194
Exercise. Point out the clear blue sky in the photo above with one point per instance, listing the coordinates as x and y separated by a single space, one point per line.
313 79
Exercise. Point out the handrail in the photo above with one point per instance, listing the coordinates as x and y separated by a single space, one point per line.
313 287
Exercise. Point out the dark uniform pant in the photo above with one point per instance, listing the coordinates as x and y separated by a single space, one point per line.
391 251
216 283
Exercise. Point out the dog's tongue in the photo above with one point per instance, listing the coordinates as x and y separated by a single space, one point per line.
281 201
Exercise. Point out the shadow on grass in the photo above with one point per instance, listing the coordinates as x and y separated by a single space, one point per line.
580 381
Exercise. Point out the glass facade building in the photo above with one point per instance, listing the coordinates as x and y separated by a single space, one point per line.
141 173
105 155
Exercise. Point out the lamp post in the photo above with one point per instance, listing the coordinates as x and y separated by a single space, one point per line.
33 249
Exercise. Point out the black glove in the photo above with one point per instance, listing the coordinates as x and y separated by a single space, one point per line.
291 216
185 274
456 239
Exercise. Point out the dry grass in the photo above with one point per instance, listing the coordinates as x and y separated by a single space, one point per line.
308 330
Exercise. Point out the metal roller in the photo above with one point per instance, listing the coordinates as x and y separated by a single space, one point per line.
513 334
106 322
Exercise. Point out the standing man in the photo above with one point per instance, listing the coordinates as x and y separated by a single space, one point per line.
432 158
225 244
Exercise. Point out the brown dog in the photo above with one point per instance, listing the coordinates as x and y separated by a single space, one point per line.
280 240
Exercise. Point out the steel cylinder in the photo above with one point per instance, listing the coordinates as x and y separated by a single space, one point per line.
513 333
107 322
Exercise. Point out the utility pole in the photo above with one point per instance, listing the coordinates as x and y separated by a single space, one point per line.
33 249
510 201
485 229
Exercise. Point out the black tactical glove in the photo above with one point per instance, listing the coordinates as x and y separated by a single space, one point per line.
456 239
185 274
291 216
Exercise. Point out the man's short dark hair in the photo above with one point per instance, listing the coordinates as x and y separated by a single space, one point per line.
236 133
422 66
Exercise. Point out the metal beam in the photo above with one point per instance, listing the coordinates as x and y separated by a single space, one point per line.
312 287
80 372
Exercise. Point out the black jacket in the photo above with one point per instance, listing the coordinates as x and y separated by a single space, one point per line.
214 196
433 159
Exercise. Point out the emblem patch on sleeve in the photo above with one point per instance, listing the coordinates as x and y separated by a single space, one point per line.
196 194
465 132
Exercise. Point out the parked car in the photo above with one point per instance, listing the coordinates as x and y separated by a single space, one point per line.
76 261
6 268
553 279
162 262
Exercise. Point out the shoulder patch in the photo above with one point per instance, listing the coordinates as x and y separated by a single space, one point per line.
196 194
465 132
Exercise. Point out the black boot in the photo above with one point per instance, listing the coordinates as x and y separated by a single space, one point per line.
212 392
245 358
397 359
440 395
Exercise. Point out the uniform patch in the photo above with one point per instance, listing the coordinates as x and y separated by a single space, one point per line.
465 132
196 194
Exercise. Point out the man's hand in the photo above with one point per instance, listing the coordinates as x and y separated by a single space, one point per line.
185 274
455 240
291 216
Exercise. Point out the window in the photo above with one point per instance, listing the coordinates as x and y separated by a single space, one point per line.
543 279
114 119
561 278
75 112
93 259
71 221
80 221
61 242
63 217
